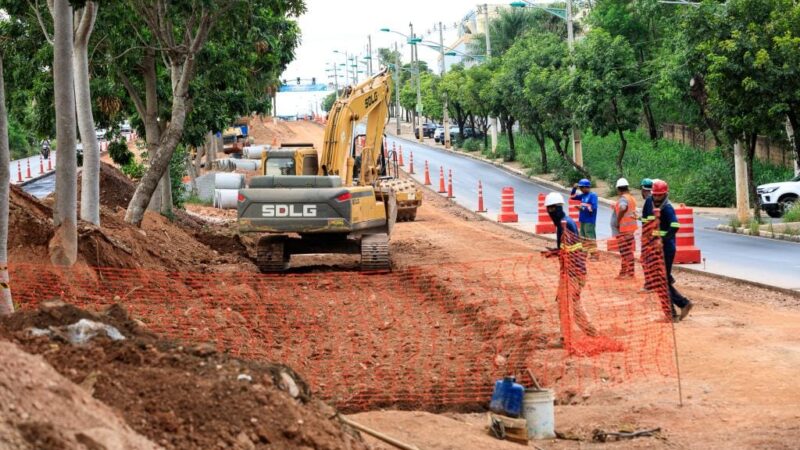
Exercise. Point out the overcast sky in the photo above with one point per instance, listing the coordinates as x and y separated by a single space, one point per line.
345 24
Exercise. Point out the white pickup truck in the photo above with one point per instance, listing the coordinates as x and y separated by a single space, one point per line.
779 197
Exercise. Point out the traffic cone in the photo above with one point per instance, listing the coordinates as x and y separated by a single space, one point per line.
481 209
402 163
19 172
41 165
450 184
442 189
543 223
28 173
49 164
687 252
411 163
507 213
427 175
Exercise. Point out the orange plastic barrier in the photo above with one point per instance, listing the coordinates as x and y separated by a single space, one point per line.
687 252
543 223
507 213
574 212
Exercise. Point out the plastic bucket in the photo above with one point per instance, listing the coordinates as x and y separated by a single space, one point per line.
539 413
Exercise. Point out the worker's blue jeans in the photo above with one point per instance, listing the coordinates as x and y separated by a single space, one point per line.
669 257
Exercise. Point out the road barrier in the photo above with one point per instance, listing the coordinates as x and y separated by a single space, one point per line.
507 214
450 184
543 223
481 208
442 189
427 174
429 337
687 252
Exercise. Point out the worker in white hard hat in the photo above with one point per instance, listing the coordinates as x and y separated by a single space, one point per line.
572 256
624 226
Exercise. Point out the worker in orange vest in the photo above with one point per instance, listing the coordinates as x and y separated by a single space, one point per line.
624 226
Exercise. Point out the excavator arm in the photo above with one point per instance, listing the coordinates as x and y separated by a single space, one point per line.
369 100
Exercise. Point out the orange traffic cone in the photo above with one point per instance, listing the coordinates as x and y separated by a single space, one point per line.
481 208
402 163
49 163
450 184
28 173
19 172
442 189
411 163
41 165
427 175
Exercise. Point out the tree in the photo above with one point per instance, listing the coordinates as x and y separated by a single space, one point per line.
432 100
6 303
475 97
498 93
453 84
327 102
64 244
512 24
606 90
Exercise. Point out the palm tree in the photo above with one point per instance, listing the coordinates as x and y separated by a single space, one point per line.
512 24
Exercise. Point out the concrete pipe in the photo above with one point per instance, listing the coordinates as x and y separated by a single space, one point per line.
246 164
228 181
226 198
255 151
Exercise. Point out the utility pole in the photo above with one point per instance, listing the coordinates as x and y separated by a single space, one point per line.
418 107
492 120
336 80
445 114
742 188
369 54
397 87
577 146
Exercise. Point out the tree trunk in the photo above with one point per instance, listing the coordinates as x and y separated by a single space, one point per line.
651 120
539 136
191 168
509 126
622 147
90 182
793 132
64 244
165 190
6 303
752 141
563 152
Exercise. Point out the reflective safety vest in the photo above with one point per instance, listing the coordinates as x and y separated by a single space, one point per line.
627 224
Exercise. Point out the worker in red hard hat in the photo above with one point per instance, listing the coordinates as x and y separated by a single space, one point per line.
624 226
667 229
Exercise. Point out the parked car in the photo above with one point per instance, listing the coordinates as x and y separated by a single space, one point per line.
438 135
777 198
428 129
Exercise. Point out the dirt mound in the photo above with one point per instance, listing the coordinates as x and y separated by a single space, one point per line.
41 410
185 397
265 129
158 244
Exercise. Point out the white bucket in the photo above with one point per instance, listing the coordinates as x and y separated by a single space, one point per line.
226 198
539 413
228 181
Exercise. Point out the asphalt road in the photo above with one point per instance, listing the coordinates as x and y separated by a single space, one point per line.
761 260
19 168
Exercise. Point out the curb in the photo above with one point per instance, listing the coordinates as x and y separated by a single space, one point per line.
761 233
36 178
677 268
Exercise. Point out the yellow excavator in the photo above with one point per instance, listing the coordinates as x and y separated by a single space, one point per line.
337 201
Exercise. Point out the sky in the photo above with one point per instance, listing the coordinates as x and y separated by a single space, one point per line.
344 25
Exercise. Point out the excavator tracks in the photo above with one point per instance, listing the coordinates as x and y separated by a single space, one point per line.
271 256
375 252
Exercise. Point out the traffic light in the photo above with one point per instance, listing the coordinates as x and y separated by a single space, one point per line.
298 80
313 80
284 82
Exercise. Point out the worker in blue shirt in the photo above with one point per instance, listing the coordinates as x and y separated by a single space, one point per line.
649 259
573 264
668 228
588 214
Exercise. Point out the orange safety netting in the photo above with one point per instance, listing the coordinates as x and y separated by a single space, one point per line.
428 337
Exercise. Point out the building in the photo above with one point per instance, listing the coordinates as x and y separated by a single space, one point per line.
470 26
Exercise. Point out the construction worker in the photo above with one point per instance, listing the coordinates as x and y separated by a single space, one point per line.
667 229
587 215
649 260
624 226
573 268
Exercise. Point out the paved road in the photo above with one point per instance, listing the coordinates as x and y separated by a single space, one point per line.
19 168
755 259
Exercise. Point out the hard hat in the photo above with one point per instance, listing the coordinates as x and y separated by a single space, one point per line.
553 198
584 183
622 182
647 184
660 187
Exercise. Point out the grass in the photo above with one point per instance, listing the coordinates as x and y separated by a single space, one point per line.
196 200
696 177
793 214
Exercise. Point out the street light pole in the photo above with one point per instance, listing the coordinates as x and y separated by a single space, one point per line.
487 32
577 146
397 87
418 107
445 114
369 54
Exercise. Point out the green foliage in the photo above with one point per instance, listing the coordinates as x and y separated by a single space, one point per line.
472 145
793 214
327 102
19 141
119 152
134 169
194 199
